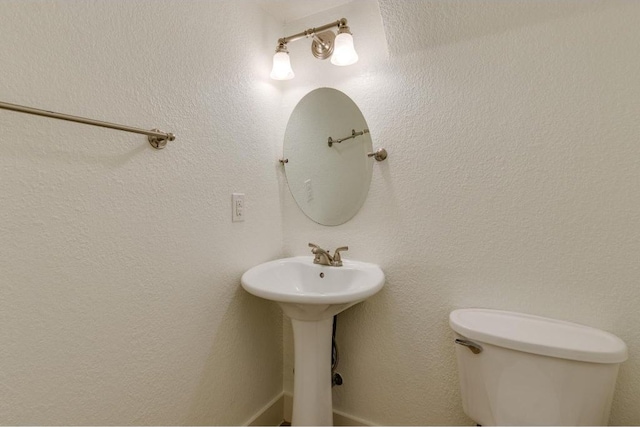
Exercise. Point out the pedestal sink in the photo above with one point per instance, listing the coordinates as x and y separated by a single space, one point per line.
311 295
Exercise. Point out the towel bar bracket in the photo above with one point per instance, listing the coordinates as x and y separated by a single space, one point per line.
159 142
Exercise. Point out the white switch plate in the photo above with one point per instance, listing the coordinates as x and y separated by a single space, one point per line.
237 207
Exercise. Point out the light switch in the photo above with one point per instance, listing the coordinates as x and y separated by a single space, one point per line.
237 207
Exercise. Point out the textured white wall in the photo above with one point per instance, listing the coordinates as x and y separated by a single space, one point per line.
119 265
512 183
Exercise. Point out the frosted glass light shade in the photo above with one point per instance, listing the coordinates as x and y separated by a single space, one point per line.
344 52
281 67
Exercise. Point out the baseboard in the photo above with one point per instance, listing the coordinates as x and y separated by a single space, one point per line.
339 418
288 406
342 419
271 415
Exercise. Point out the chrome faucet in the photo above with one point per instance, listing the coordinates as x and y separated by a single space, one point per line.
324 258
337 258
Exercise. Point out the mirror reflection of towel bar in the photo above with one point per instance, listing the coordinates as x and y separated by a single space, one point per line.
332 141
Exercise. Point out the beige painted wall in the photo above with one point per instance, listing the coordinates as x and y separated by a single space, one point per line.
119 265
512 183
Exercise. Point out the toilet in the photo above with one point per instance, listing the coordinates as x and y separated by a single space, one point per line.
519 369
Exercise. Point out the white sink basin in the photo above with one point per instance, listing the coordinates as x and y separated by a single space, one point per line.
308 291
311 294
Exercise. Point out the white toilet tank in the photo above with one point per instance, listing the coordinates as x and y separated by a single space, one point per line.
519 369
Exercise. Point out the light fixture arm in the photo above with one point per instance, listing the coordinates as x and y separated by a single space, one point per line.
311 32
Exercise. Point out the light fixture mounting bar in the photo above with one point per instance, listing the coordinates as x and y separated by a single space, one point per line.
313 31
325 44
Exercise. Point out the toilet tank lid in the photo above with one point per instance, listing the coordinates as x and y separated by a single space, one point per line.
538 335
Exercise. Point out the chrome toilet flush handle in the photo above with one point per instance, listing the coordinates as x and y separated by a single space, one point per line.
475 348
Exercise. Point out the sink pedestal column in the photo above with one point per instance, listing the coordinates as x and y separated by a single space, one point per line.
312 403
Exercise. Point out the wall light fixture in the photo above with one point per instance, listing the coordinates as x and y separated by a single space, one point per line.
325 44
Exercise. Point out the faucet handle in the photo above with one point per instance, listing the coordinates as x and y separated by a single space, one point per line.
317 251
322 256
337 258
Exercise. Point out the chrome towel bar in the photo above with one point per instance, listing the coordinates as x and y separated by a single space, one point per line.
157 138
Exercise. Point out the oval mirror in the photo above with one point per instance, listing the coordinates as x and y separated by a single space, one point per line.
326 145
